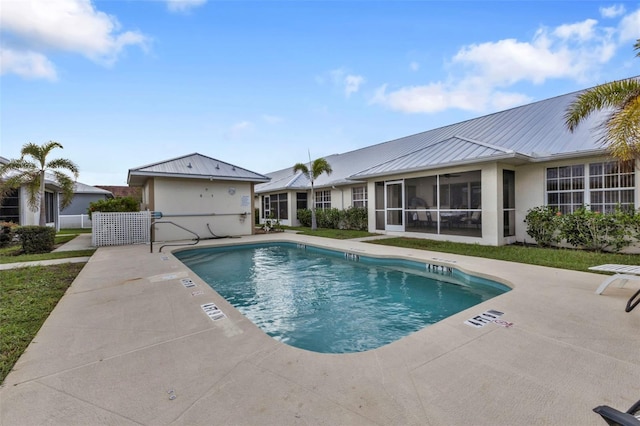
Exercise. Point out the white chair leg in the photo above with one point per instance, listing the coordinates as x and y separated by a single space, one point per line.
606 283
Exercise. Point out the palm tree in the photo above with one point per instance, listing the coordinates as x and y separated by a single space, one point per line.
315 169
31 173
622 125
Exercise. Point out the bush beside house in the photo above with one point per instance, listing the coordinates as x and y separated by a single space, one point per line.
122 204
36 239
584 228
352 218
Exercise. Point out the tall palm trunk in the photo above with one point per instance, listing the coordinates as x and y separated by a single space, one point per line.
314 223
43 210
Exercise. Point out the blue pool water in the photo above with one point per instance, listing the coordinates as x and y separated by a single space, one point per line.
315 299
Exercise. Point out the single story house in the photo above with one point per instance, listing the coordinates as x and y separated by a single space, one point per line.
203 195
15 207
472 181
83 196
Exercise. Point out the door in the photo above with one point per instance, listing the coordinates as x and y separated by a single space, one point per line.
393 196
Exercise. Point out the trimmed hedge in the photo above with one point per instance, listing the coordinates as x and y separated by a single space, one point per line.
584 228
36 239
120 204
351 218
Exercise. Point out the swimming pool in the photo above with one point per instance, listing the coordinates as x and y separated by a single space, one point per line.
334 302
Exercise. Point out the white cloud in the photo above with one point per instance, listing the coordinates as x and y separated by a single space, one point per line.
66 25
183 5
350 83
272 119
584 30
414 66
238 129
437 97
26 64
629 27
480 74
612 11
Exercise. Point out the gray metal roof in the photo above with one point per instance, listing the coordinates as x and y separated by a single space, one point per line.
81 188
528 133
193 166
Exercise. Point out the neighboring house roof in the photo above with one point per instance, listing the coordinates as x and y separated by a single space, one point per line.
81 188
193 166
528 133
123 191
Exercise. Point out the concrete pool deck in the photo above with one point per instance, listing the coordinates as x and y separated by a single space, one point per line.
130 344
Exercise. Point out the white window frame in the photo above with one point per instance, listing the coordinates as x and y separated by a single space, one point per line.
359 196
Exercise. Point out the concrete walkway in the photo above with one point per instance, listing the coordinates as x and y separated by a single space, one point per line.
81 242
129 344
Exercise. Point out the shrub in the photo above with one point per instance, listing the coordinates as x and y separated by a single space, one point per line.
36 239
120 204
355 218
304 216
542 225
593 230
7 232
328 218
351 218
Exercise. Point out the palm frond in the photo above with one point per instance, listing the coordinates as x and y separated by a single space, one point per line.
301 167
67 186
63 163
605 96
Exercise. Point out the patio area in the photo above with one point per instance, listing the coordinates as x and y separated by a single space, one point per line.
130 344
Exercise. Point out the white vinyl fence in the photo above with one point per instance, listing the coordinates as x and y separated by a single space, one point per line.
117 229
74 221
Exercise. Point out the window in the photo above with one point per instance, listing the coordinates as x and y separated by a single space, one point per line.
359 196
601 186
10 207
323 200
379 200
509 202
565 187
266 207
279 206
611 184
301 201
49 198
449 203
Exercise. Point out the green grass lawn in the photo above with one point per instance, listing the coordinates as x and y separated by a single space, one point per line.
27 297
338 234
577 260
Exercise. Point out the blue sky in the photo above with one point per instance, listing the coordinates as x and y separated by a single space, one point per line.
258 84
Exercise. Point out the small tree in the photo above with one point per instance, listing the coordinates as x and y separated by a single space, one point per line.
312 172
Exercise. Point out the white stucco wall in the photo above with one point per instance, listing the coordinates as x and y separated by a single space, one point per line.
30 217
227 206
530 190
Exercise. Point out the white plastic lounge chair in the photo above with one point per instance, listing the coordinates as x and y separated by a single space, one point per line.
623 273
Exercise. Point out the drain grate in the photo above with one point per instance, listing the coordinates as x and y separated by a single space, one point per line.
213 311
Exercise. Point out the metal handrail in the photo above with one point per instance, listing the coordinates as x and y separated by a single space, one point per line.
197 239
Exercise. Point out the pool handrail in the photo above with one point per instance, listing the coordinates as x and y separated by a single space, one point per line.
197 238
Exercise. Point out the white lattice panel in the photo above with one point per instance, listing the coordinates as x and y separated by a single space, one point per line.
117 229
